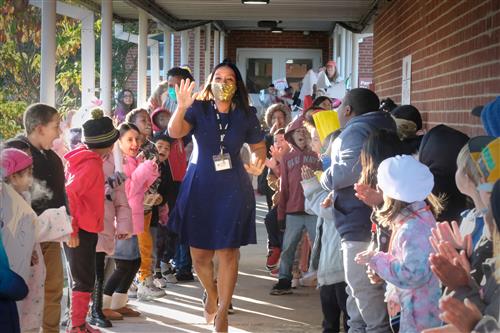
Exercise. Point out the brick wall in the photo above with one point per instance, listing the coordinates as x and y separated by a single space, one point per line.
287 39
365 63
455 48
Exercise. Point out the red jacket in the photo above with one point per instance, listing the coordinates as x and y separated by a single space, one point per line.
291 198
85 189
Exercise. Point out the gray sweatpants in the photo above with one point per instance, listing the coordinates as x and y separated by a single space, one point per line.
365 303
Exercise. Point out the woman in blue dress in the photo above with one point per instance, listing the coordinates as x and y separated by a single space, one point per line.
215 209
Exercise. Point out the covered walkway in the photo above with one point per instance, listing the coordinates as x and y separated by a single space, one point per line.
255 309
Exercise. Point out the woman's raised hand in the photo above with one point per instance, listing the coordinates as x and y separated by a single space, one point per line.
184 92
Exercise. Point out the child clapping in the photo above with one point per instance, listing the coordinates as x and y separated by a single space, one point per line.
408 209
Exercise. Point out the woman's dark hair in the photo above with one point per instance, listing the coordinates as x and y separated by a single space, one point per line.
320 100
241 95
125 127
379 146
120 99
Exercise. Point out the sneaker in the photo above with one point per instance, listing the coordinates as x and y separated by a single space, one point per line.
275 272
295 283
283 287
159 280
273 258
147 290
184 276
169 275
132 291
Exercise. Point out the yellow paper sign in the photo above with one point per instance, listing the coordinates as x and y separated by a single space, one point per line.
326 123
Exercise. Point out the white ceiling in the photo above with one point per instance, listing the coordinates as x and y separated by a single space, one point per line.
313 15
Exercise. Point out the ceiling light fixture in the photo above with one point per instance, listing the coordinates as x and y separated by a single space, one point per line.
277 30
255 2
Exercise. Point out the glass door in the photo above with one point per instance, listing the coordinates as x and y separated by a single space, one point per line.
259 74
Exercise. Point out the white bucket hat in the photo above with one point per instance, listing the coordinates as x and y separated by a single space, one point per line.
404 178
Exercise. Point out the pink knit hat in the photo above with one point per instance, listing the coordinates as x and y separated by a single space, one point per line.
14 160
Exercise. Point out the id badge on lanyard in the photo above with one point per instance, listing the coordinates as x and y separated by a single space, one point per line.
222 161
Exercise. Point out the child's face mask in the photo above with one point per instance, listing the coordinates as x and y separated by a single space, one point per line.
223 91
171 94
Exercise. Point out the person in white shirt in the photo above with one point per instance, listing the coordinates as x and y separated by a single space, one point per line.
330 83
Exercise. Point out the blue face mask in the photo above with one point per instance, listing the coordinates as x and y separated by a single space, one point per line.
171 94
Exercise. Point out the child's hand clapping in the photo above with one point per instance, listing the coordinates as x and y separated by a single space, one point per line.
450 232
328 201
277 154
364 257
306 172
271 163
368 195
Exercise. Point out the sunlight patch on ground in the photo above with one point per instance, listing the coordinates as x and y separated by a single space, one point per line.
177 315
264 277
256 301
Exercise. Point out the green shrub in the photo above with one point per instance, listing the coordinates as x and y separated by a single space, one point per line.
11 118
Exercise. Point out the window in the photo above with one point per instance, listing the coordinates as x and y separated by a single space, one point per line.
259 74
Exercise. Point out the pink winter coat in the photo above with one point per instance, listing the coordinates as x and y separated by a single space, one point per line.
140 176
117 213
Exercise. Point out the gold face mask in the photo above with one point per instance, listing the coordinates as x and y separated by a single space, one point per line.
223 91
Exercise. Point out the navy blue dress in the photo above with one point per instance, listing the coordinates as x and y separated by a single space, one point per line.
216 209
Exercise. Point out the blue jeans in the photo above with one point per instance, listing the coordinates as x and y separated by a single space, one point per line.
183 259
293 232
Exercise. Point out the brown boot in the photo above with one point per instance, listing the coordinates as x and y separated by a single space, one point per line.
128 312
112 315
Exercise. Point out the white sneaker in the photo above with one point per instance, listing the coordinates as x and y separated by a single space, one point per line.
160 282
295 283
132 291
169 277
168 273
148 290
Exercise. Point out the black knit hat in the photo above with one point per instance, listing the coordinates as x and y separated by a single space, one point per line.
408 112
99 131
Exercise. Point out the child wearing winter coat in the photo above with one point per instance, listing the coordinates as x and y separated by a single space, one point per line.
326 257
146 287
291 203
409 210
51 225
117 225
17 235
85 188
140 175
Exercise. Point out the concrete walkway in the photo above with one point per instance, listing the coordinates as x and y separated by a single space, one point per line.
256 310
